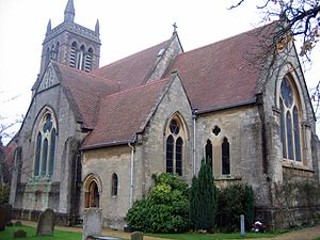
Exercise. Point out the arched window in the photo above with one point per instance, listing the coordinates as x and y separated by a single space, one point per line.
170 147
114 185
289 120
73 54
88 60
52 150
208 150
179 145
225 150
81 58
37 155
174 147
45 145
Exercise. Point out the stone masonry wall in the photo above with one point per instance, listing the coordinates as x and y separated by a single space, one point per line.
102 164
38 192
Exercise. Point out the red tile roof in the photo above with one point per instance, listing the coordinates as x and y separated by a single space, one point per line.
84 92
222 74
132 71
125 113
216 76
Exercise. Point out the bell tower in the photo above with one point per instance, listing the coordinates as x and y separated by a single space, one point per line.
71 44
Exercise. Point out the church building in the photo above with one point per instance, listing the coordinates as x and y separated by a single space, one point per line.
93 135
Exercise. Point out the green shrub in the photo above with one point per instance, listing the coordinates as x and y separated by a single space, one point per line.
165 209
4 195
203 199
233 201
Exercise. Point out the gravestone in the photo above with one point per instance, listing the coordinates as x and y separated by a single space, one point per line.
20 234
8 208
46 223
18 223
136 236
3 218
92 222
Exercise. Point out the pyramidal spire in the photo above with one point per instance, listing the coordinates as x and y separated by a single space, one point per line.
69 12
97 28
49 26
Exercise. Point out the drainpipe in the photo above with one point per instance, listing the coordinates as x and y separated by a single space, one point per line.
131 174
194 117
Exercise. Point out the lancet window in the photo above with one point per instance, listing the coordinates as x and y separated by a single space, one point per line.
45 146
290 120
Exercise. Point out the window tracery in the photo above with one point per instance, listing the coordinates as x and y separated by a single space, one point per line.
45 145
290 120
175 147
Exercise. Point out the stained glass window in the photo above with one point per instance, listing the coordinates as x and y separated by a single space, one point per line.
174 127
179 144
44 157
45 147
38 154
169 167
52 149
208 149
174 147
225 157
286 93
296 134
289 121
114 190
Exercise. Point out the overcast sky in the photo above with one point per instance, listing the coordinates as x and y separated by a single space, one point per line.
126 26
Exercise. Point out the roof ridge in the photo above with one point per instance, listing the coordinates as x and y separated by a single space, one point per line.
231 37
86 73
137 87
133 54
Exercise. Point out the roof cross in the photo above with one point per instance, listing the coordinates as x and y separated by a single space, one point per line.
174 27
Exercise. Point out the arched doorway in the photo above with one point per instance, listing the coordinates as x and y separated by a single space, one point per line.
91 192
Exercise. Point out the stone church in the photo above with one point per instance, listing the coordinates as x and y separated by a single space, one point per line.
94 136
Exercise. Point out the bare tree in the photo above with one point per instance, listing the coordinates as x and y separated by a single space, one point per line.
301 23
303 18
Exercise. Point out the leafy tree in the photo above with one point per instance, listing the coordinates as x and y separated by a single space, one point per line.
165 209
203 200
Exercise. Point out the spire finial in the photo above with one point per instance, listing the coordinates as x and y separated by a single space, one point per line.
69 12
174 27
97 28
49 26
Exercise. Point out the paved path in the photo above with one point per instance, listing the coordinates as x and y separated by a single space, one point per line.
302 234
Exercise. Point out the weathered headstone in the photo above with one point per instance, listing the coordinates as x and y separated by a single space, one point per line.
20 234
3 218
46 223
18 223
136 236
92 222
8 208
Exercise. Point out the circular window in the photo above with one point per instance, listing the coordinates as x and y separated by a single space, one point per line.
286 93
174 127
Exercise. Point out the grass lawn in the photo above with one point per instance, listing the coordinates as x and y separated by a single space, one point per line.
31 234
7 234
217 236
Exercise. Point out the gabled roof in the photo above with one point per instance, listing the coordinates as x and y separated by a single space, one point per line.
133 70
126 113
221 75
84 91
